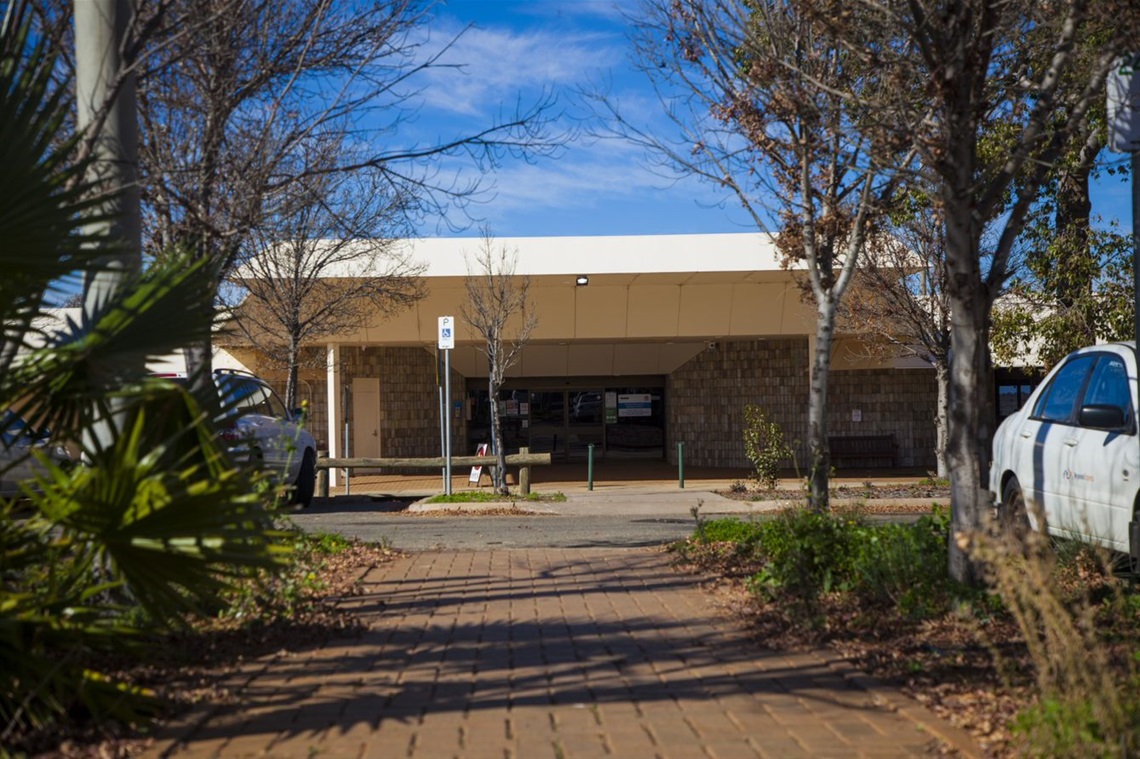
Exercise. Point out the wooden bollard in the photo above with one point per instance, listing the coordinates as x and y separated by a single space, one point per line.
524 475
323 483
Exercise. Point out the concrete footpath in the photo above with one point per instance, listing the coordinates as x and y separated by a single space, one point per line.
553 654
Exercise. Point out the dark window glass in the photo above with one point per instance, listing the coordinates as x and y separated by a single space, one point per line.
1109 385
1058 402
275 404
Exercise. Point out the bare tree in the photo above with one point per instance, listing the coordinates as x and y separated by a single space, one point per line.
231 90
753 89
325 263
899 305
499 310
980 98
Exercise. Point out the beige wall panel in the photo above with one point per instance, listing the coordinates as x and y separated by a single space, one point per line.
599 312
555 309
759 309
467 360
638 358
706 310
440 301
590 359
850 353
653 310
402 327
545 361
674 355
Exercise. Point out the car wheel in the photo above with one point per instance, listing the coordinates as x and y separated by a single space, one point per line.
1013 521
306 480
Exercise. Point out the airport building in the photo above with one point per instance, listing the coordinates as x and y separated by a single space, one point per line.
641 342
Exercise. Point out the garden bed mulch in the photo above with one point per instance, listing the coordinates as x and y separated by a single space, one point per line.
198 664
968 666
977 679
915 498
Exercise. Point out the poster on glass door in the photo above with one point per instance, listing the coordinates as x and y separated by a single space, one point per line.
635 404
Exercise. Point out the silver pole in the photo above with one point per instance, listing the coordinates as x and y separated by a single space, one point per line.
105 86
442 417
447 422
442 435
101 27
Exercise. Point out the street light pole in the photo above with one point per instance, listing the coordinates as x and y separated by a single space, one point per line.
105 95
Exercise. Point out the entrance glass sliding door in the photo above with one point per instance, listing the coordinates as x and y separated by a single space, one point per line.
635 422
585 422
548 423
621 422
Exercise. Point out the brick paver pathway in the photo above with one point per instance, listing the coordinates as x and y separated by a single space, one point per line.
553 654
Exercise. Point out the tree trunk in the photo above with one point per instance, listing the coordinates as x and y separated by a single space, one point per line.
498 473
968 440
199 368
941 420
820 474
291 374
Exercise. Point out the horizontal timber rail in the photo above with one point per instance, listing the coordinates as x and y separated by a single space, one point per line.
523 460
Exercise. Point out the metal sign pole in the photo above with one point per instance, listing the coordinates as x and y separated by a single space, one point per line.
446 343
447 416
442 414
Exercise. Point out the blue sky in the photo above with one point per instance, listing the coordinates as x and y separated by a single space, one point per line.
514 49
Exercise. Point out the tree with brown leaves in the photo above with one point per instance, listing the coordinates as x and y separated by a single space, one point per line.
756 92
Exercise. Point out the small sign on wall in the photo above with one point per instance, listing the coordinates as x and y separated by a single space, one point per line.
856 415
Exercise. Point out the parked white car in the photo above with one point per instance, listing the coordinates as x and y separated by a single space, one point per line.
255 422
21 446
1072 452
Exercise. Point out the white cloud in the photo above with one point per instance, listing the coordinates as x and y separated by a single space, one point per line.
593 183
486 67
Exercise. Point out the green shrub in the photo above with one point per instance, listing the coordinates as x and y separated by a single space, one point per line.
904 564
807 554
1067 726
764 445
729 529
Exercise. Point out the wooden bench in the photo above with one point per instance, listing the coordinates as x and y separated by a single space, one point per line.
863 448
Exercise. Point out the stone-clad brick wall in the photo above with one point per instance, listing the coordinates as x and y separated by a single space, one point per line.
312 391
706 398
899 401
409 399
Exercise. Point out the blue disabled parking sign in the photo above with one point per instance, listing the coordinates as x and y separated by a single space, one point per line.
446 333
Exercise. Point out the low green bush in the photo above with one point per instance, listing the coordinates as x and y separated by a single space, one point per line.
905 564
1076 725
730 530
806 554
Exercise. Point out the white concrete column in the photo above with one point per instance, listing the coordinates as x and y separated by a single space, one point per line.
336 413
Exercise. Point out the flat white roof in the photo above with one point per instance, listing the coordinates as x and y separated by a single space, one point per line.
632 254
537 256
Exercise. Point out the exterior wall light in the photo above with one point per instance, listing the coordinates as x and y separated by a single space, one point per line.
582 280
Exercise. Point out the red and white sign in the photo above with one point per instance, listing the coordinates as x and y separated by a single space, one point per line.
477 471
